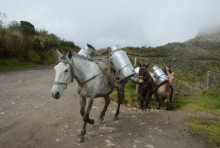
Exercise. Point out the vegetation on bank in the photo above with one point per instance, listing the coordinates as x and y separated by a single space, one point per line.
190 67
207 101
208 128
22 45
203 124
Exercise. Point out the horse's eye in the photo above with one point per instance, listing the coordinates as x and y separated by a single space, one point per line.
66 71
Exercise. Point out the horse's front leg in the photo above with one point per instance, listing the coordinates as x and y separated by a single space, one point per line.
82 105
121 92
107 101
86 120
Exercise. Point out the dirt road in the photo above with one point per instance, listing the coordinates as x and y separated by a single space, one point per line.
30 117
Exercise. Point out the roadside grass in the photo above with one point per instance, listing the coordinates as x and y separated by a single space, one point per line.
130 94
208 101
208 128
205 126
12 64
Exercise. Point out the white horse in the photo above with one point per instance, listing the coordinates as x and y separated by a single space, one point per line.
92 83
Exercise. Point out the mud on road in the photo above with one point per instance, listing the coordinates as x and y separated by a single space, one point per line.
30 117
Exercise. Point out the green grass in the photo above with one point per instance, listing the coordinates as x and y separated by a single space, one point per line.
207 128
12 64
208 101
130 93
32 60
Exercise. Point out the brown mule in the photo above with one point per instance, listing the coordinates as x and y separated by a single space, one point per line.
164 91
146 86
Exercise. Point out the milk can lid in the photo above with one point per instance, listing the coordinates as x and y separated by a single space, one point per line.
113 48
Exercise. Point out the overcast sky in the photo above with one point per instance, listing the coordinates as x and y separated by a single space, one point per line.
117 22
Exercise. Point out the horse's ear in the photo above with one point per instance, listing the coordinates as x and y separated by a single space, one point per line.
139 64
69 54
147 65
59 53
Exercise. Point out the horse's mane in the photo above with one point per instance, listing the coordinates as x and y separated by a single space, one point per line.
77 56
82 57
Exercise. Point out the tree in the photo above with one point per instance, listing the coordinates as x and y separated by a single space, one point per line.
1 23
14 26
27 28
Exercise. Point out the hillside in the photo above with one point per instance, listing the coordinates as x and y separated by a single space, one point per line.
22 45
190 61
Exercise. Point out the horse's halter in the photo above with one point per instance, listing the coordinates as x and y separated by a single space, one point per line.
71 73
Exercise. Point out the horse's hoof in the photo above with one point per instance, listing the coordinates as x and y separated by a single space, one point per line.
116 118
91 121
101 120
80 139
158 107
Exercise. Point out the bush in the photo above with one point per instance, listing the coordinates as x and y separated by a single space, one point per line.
21 41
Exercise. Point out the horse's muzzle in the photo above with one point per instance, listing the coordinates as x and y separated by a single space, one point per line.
56 95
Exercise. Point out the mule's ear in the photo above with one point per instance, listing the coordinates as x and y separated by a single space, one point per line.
70 54
147 65
139 64
59 53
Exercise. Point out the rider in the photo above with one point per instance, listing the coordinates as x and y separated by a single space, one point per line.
166 70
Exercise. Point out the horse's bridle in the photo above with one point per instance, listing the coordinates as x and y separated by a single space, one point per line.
71 73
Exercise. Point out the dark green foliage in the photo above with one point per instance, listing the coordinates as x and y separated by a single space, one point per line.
27 28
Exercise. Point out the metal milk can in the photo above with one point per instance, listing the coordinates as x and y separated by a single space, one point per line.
121 62
160 76
87 52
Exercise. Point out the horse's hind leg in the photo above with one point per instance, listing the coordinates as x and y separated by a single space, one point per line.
107 101
86 120
120 91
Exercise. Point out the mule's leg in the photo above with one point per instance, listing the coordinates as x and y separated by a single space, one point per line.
168 102
147 99
141 99
159 102
120 91
107 101
86 119
82 105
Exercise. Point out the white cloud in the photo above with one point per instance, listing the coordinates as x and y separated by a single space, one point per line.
124 22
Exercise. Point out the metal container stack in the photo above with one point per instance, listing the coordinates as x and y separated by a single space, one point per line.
160 76
121 62
87 52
